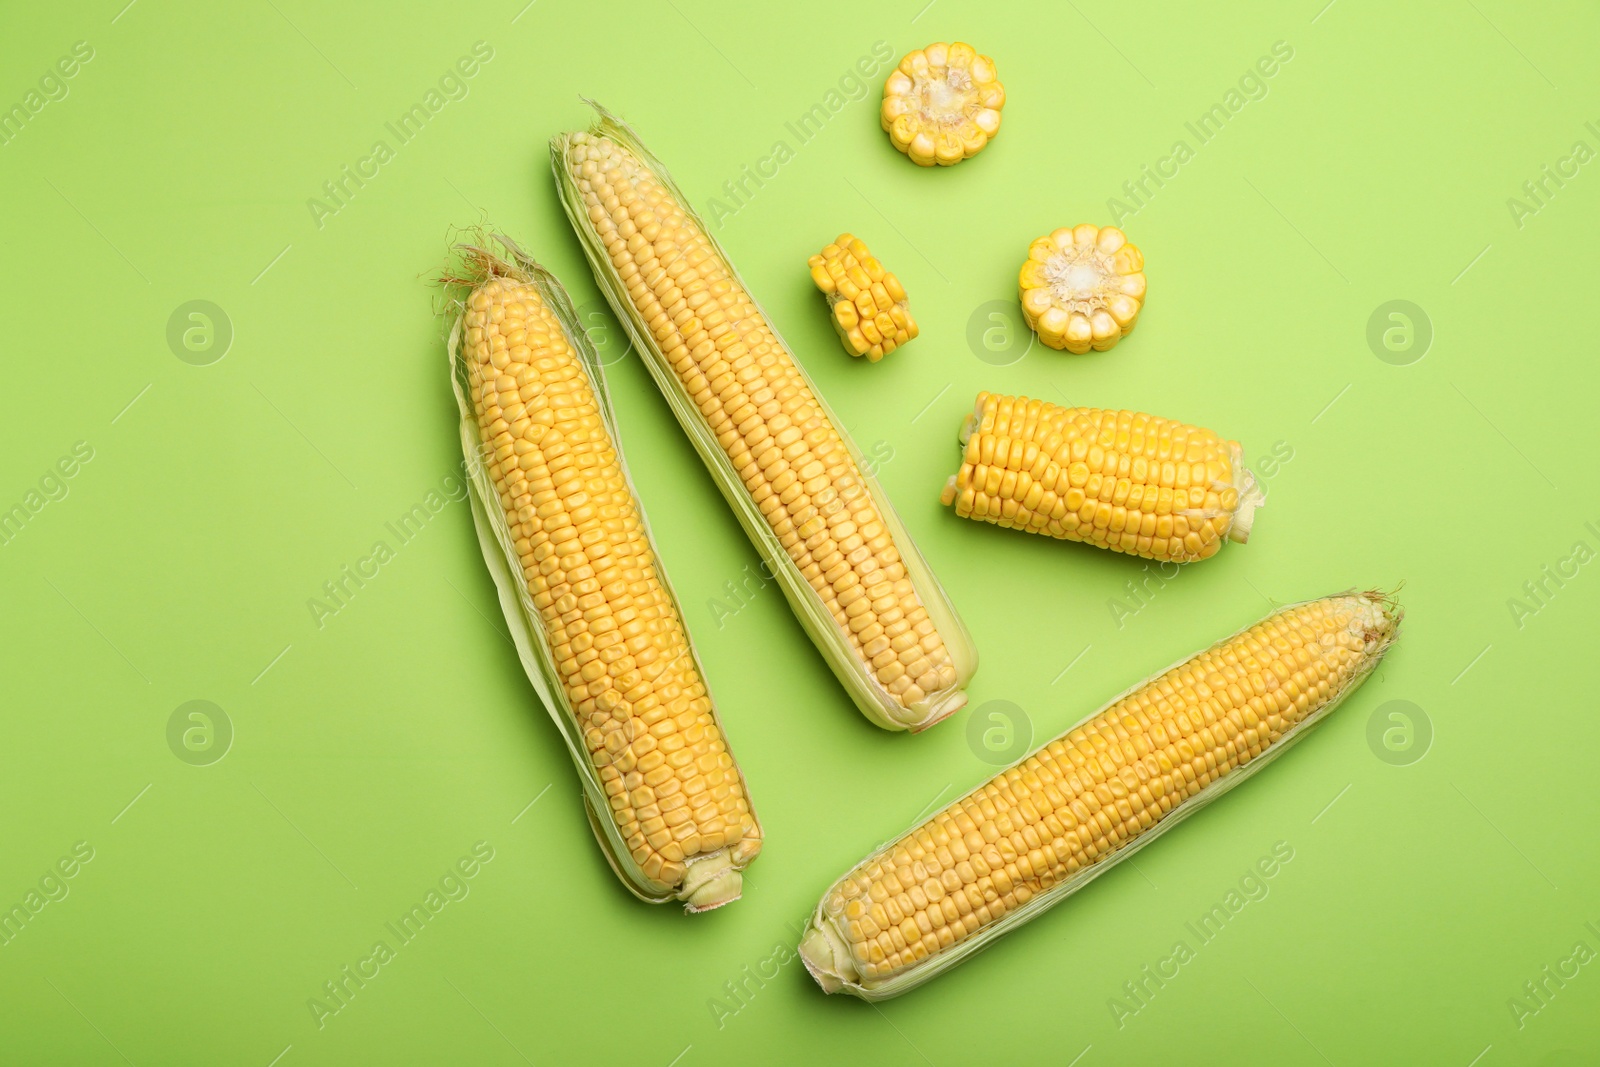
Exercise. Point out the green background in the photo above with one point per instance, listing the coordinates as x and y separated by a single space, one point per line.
372 752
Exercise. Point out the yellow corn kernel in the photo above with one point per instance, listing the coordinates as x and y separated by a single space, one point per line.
867 304
1036 833
854 578
573 537
1121 480
1082 288
942 104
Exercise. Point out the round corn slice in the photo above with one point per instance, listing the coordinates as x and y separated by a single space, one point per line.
942 104
1082 288
867 304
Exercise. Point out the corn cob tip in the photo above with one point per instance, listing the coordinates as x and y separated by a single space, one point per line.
1382 617
938 709
827 957
475 263
710 883
1251 497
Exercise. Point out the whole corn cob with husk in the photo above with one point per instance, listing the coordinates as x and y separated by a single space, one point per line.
866 303
1038 832
1121 480
845 563
596 624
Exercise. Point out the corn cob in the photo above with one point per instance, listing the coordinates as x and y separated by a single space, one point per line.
943 104
1116 479
847 566
1082 288
597 624
1039 831
866 304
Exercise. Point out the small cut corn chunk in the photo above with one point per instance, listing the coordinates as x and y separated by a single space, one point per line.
600 631
866 303
849 569
1038 832
942 104
1121 480
1082 288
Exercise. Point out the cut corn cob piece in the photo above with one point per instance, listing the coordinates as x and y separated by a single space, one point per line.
943 104
1038 832
1121 480
847 566
867 304
596 624
1082 288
